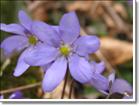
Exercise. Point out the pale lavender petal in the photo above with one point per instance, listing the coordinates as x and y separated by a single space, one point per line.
46 66
16 95
1 97
128 97
55 74
111 77
98 67
13 28
80 68
14 43
46 33
56 28
21 65
99 82
25 20
121 86
41 55
87 45
69 27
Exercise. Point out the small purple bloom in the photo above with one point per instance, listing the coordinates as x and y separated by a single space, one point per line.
67 48
130 2
15 95
110 84
1 97
25 36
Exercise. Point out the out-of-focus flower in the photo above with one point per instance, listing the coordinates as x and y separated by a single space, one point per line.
24 36
1 97
68 48
110 85
15 95
130 2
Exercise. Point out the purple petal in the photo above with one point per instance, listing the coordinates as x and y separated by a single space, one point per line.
128 97
21 65
16 95
98 67
87 45
46 67
121 86
56 28
99 82
14 43
69 27
41 55
111 77
55 74
13 28
80 69
1 97
25 20
46 33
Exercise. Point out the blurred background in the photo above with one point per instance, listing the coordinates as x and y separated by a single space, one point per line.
110 20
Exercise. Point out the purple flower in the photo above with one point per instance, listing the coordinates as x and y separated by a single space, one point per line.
15 95
110 84
130 2
100 82
68 48
1 97
25 36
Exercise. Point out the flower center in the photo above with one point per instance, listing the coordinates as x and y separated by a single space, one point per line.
65 50
32 40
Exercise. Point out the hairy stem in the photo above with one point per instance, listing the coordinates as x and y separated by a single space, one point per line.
65 82
71 88
20 88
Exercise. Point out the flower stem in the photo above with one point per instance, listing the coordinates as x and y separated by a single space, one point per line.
71 88
65 82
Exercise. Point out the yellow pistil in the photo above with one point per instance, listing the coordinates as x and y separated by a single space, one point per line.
65 50
32 40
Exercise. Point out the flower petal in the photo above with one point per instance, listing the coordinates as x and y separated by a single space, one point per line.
98 67
13 28
41 55
25 20
121 86
21 65
55 74
128 97
16 95
1 97
111 77
87 45
56 28
46 33
99 82
12 43
80 69
69 27
46 67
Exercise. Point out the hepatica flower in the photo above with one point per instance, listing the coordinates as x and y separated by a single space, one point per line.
15 95
109 85
24 36
68 49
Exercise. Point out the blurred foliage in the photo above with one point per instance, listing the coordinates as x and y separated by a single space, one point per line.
9 10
